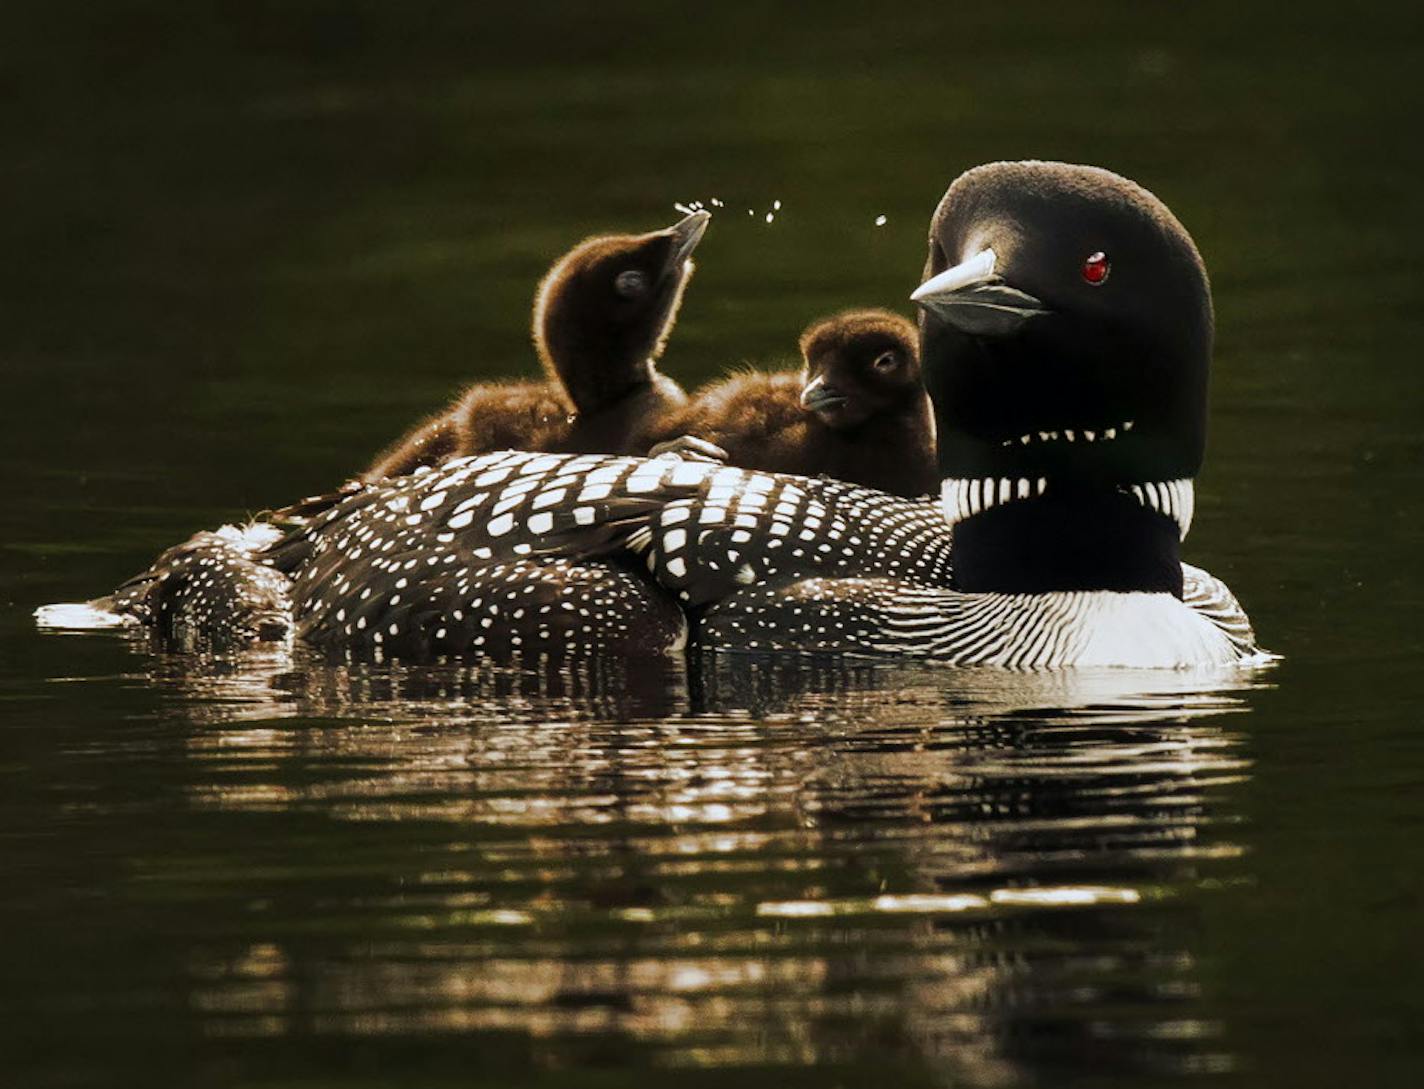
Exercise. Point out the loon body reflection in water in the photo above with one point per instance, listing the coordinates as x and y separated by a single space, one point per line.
590 852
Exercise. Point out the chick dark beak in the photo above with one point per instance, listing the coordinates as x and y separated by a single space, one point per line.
818 396
685 235
971 298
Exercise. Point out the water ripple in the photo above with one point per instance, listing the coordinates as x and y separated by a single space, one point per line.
744 861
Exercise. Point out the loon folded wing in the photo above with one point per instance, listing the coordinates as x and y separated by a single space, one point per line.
746 528
503 551
509 505
404 554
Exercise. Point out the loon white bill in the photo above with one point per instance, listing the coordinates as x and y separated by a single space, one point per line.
970 297
976 270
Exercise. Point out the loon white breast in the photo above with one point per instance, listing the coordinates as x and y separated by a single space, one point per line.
1061 304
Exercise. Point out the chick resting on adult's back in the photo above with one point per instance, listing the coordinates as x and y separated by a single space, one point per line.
857 410
602 316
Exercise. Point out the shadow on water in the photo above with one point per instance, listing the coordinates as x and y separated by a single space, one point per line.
975 875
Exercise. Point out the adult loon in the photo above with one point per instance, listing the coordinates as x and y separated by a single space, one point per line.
857 410
1066 337
602 316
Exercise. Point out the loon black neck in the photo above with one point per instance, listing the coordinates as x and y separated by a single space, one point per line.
1096 538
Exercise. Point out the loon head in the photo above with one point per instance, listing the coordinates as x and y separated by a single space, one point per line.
859 364
603 312
1066 333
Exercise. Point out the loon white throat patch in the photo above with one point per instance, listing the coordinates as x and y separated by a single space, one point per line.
1069 434
964 498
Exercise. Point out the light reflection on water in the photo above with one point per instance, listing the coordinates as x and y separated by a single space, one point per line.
744 861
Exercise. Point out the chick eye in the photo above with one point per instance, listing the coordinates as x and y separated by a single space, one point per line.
631 284
1096 268
886 361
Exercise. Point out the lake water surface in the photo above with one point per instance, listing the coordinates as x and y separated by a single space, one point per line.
247 245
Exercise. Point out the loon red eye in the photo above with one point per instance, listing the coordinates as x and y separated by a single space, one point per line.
1096 268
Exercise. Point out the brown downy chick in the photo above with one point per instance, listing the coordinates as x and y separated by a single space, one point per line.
602 316
857 411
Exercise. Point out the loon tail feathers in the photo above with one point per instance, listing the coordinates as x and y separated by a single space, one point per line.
210 592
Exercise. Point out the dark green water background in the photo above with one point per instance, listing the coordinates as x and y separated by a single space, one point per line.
244 244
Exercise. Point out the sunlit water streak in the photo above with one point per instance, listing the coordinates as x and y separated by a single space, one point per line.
735 861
